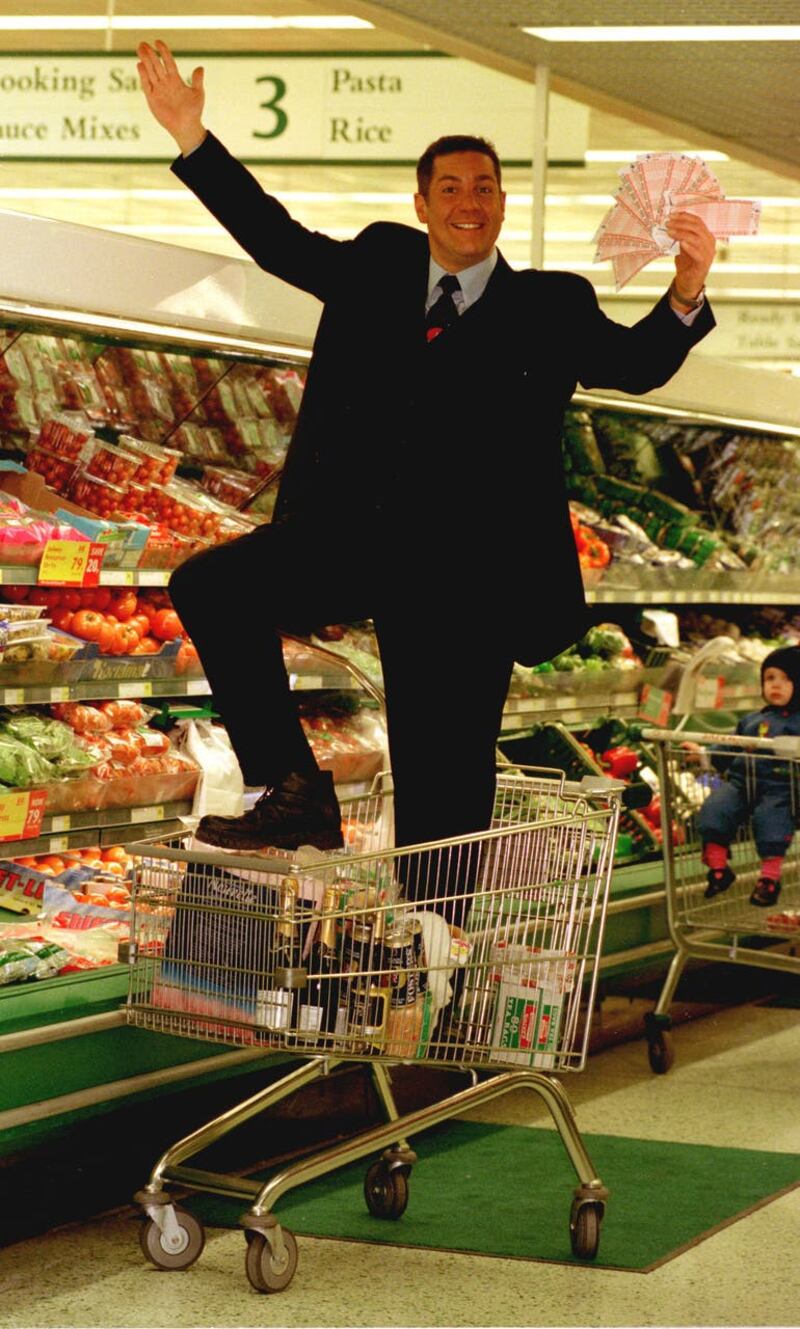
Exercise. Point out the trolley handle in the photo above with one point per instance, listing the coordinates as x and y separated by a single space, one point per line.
784 745
589 786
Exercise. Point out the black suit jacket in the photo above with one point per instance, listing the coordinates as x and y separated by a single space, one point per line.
456 445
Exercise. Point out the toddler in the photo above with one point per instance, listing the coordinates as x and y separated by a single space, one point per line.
759 788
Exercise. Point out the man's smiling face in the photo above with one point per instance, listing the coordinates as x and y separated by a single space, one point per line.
463 210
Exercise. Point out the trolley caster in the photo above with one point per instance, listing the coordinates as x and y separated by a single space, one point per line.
584 1230
660 1047
174 1240
268 1268
386 1190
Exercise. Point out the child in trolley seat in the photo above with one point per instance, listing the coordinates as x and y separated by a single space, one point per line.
760 789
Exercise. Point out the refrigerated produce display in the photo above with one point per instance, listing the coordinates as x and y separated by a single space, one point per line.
127 446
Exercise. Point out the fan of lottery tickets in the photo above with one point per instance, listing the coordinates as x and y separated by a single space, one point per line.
633 231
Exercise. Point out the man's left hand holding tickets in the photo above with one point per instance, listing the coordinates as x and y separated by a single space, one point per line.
692 263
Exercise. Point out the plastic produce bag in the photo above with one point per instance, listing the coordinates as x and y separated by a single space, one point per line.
49 738
220 789
22 766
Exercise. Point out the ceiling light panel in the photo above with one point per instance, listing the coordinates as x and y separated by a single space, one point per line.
668 32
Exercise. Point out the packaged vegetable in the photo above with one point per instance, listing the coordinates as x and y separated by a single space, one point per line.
17 961
82 718
51 739
21 766
125 714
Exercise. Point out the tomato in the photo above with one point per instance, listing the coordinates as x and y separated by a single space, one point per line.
116 869
166 625
116 853
62 619
125 640
42 595
142 624
87 624
27 862
146 646
187 657
118 897
123 605
53 862
97 597
16 595
71 599
106 636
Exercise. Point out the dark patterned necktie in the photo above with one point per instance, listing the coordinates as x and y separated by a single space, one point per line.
443 313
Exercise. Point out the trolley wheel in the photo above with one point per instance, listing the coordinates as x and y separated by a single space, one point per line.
266 1271
660 1051
584 1230
193 1239
386 1191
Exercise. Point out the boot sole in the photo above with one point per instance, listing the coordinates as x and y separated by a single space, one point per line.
221 839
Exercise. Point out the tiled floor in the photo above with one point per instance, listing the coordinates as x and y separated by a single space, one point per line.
736 1081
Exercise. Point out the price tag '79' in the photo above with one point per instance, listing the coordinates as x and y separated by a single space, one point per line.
71 563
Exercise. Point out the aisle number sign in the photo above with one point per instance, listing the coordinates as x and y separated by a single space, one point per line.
21 814
71 563
301 108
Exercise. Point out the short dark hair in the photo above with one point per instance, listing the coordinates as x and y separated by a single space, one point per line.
443 147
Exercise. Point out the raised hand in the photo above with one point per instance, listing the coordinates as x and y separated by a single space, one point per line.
698 247
176 105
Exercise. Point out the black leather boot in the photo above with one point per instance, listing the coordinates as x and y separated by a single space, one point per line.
300 810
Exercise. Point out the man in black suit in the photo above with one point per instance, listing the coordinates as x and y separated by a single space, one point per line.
423 487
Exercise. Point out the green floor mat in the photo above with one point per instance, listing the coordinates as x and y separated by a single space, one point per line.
507 1190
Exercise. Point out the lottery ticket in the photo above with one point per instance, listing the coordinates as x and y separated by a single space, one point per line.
633 231
723 217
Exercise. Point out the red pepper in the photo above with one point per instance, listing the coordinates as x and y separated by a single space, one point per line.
620 762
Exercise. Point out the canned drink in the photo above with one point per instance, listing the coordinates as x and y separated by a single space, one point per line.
357 947
367 1015
402 947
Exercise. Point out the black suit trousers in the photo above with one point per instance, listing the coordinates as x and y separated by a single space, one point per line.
446 674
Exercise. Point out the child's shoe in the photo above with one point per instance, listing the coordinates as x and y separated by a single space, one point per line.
719 879
765 892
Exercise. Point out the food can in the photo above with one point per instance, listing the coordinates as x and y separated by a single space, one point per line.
402 946
367 1015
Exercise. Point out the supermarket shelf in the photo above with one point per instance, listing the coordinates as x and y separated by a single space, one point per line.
661 586
105 689
137 688
569 708
26 576
79 830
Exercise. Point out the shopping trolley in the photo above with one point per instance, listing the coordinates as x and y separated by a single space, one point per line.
723 927
470 953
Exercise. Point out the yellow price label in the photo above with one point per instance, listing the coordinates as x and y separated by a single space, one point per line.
21 814
71 563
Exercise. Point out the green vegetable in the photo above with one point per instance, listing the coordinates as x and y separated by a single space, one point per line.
21 766
51 739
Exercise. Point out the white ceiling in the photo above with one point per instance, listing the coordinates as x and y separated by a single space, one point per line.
741 97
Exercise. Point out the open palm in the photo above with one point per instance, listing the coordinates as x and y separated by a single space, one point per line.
176 105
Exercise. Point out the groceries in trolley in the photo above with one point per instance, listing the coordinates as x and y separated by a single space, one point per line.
529 1004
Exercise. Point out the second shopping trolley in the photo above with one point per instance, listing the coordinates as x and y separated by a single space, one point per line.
756 783
477 952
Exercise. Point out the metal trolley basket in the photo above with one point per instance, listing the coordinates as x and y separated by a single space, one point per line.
464 953
723 927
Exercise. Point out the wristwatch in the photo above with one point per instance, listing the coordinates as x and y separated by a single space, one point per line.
688 305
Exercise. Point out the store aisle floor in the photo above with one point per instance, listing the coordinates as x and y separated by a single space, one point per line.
736 1082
